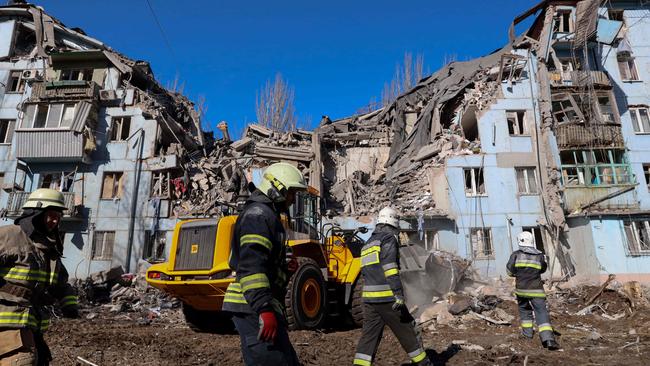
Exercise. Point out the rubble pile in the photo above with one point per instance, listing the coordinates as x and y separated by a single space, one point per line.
218 181
116 292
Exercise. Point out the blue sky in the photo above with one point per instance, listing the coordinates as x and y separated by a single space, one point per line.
336 54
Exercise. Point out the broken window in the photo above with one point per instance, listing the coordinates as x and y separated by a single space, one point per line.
474 183
637 233
617 14
627 68
112 185
527 180
482 243
160 184
640 120
517 122
565 109
606 108
646 173
16 83
595 167
76 74
120 128
60 181
154 245
6 130
103 245
563 21
538 239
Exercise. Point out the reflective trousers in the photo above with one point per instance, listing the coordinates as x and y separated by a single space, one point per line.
375 317
260 353
536 306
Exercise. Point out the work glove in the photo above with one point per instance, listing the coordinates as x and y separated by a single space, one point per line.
399 303
268 326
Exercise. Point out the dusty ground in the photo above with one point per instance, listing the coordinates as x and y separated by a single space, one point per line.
126 339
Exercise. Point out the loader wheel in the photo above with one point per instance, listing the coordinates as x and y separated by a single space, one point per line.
356 303
305 299
203 321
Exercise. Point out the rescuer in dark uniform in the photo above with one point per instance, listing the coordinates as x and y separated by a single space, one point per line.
527 265
258 256
383 295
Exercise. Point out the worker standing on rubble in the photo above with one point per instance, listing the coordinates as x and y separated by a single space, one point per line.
383 295
527 265
31 278
258 256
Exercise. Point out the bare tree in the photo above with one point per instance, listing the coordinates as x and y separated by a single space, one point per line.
274 105
406 76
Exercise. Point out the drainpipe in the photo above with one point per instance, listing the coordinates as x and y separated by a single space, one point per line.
134 196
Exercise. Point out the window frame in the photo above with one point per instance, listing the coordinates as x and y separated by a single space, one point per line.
646 174
589 167
20 84
61 176
86 74
118 188
559 21
474 232
61 113
627 73
114 134
166 180
636 250
7 133
637 123
106 253
150 243
474 182
526 170
520 124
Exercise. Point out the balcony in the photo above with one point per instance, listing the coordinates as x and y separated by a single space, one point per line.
572 135
607 198
64 90
580 78
16 201
50 145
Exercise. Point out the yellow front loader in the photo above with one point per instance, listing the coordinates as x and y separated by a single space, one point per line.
324 285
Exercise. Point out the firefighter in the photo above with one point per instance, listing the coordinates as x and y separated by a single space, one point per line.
258 256
31 278
383 295
527 265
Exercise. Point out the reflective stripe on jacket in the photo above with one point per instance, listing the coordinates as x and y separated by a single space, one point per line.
527 266
31 277
380 266
258 257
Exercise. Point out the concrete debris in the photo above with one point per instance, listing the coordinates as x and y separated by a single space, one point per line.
594 336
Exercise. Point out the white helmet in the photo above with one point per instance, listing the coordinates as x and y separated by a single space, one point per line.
525 239
388 216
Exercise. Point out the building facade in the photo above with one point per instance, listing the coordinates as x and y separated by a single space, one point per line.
81 118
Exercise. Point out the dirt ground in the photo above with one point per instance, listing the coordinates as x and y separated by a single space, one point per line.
135 339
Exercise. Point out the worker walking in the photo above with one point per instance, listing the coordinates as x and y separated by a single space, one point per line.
258 256
31 278
383 295
527 265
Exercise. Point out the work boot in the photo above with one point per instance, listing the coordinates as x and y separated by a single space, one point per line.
527 333
551 345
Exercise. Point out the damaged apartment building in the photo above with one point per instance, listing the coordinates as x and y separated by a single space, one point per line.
548 134
80 117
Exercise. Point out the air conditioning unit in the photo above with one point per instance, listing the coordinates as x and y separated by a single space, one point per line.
30 74
107 95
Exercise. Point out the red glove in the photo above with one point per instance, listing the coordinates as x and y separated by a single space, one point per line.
268 326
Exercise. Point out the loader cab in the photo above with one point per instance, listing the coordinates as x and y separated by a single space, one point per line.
304 217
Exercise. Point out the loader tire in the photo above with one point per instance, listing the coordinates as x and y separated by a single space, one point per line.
204 321
305 299
356 303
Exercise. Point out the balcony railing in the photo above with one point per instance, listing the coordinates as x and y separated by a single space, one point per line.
64 90
579 78
620 197
572 135
17 200
48 145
